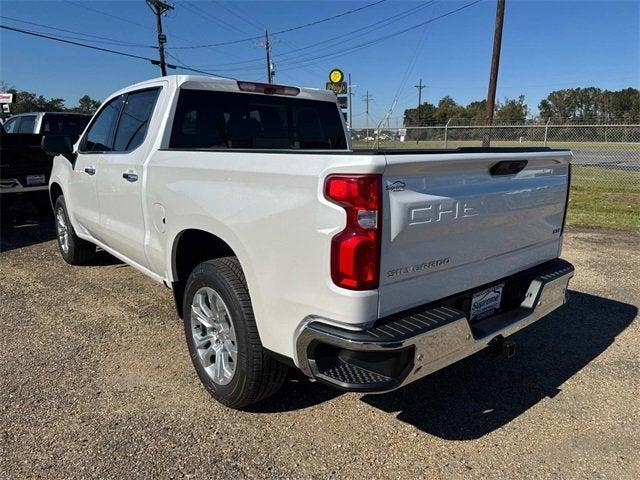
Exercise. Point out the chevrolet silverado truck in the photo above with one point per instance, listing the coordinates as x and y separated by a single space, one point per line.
283 247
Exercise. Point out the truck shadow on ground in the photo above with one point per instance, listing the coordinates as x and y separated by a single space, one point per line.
29 221
480 394
26 222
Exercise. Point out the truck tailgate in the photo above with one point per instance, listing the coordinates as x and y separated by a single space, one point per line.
451 222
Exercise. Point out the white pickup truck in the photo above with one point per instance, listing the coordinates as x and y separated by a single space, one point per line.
366 270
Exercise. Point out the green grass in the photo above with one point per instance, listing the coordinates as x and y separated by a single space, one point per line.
439 144
604 198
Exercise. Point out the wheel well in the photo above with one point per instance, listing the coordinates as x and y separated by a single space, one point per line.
190 249
54 192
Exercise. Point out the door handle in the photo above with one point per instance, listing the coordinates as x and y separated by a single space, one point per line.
90 170
130 176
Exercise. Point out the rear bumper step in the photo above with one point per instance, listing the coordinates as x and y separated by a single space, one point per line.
405 347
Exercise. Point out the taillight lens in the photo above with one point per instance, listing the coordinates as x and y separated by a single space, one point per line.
355 251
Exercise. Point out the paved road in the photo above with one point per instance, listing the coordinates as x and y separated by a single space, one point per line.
95 381
623 160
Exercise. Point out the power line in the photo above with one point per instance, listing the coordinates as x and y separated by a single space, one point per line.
87 7
199 12
240 14
93 47
339 39
287 30
317 22
237 12
338 53
347 51
405 78
108 50
122 19
112 41
302 62
167 27
182 66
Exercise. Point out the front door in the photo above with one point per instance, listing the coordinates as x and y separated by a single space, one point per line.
82 193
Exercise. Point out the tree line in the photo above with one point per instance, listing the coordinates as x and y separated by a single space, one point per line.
24 102
572 105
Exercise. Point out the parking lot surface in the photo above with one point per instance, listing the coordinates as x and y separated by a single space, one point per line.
95 381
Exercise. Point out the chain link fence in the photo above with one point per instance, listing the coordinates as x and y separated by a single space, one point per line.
606 164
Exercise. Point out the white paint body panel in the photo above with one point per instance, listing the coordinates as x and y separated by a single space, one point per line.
455 226
269 208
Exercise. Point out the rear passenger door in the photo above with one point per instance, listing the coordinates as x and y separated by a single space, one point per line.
122 225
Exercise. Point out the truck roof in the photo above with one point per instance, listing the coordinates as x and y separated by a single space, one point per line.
49 113
204 82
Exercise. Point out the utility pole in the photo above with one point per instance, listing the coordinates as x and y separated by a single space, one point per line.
420 86
493 76
350 105
158 7
267 47
367 98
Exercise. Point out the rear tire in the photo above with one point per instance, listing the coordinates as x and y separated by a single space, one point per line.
74 250
218 320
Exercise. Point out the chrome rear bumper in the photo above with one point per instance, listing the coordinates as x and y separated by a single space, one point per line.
405 347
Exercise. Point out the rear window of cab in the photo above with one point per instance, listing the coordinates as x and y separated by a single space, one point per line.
225 120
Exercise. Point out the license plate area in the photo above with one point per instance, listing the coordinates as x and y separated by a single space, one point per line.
33 180
486 302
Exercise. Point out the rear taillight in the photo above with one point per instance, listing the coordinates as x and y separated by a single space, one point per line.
355 251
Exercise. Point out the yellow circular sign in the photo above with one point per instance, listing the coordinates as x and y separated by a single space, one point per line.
336 76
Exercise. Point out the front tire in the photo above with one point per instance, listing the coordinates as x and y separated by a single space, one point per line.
74 250
222 336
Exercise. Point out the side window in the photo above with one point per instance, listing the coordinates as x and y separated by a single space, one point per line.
27 123
12 125
98 138
134 120
199 122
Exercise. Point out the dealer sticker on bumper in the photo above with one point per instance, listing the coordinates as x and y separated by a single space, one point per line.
486 302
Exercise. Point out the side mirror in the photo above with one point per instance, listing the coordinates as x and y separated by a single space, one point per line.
58 145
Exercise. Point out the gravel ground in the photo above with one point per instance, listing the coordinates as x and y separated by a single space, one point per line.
95 381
